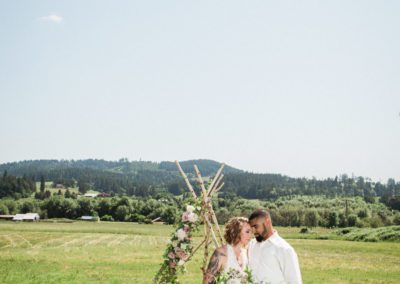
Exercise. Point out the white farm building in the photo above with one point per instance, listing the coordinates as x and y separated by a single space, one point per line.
27 217
91 194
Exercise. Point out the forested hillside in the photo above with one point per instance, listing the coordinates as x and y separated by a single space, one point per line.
143 178
339 201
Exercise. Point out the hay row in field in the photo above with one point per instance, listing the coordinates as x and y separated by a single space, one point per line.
391 233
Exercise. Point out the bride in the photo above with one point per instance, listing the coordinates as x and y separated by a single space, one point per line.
233 256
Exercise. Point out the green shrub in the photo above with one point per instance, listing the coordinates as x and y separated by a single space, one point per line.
107 218
352 220
304 230
375 222
396 219
3 210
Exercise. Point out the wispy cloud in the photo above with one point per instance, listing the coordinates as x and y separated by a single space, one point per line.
51 18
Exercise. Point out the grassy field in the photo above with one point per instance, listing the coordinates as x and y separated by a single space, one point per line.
49 186
130 253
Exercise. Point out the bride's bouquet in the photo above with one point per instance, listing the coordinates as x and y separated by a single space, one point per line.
233 276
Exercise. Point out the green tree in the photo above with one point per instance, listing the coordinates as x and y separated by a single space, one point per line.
4 210
333 219
86 207
311 218
47 194
53 207
27 207
11 205
122 213
170 215
83 186
67 194
352 220
104 207
69 208
42 184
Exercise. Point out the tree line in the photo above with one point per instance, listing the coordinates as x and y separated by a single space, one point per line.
140 178
295 211
108 209
16 187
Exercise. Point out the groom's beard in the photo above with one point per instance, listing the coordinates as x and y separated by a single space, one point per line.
263 235
259 238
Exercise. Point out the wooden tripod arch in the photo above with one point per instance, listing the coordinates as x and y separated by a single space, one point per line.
212 231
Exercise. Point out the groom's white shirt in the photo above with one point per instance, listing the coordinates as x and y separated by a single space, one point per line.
274 261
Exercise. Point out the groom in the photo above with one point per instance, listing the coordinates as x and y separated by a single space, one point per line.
271 258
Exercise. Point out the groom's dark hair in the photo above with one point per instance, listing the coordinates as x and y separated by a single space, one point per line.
259 213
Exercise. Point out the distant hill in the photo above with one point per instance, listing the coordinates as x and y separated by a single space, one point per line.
206 167
145 178
123 166
140 178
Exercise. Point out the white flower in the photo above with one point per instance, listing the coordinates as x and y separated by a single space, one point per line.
181 262
190 208
193 217
181 234
183 246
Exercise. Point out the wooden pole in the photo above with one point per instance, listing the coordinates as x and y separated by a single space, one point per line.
194 251
205 260
186 180
218 189
214 218
216 185
207 211
208 206
201 182
212 232
216 176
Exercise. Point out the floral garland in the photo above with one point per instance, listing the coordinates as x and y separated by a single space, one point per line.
180 247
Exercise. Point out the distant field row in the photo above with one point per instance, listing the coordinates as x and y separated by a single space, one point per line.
391 233
131 253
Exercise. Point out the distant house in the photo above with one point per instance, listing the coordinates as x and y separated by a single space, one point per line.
6 217
91 194
26 217
103 194
90 218
158 219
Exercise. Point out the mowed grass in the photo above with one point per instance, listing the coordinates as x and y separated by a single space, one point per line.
131 253
48 185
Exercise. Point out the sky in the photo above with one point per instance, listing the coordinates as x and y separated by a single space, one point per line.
301 88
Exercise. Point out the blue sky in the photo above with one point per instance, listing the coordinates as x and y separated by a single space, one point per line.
306 88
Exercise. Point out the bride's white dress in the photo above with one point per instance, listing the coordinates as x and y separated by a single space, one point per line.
232 263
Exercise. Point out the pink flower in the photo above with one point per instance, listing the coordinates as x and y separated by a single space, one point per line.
185 217
181 234
186 228
192 217
182 255
172 264
171 255
177 250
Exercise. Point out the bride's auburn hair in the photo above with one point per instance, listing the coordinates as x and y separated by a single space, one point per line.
233 228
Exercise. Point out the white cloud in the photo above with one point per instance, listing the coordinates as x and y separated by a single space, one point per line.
51 18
